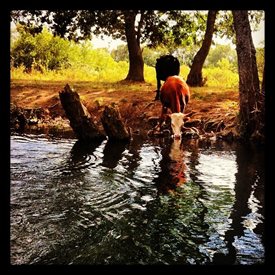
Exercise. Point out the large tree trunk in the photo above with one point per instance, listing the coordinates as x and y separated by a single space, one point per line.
251 116
263 82
80 119
262 115
136 68
194 77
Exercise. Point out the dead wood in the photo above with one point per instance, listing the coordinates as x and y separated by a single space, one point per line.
80 120
113 124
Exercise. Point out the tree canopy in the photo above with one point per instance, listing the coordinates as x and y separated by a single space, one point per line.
153 27
173 29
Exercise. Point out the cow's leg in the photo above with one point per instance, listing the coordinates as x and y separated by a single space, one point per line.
158 89
163 113
182 103
161 119
157 95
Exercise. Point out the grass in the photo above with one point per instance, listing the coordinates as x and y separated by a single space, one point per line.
213 93
216 77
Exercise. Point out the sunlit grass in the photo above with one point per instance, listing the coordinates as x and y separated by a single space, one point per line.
214 93
229 104
111 78
221 77
71 74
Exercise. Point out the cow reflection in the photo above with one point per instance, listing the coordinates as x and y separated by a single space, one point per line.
173 168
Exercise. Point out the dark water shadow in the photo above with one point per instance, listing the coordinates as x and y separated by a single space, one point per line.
81 149
249 178
112 152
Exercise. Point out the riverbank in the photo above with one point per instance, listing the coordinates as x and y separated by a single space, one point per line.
36 107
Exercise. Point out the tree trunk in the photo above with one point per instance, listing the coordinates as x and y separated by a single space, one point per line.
194 77
263 82
113 125
251 117
262 115
136 68
80 119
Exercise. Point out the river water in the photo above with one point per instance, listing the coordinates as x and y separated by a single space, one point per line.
145 202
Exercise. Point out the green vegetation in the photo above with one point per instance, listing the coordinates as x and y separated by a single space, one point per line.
45 57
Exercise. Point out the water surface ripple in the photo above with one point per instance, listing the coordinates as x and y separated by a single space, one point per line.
143 202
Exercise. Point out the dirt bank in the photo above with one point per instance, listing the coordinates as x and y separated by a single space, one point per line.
211 111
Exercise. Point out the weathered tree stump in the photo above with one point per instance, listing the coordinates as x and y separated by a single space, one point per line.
113 125
80 120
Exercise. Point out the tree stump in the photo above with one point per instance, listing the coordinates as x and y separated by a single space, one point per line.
113 125
80 120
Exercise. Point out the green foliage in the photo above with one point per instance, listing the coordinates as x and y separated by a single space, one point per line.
225 64
184 71
150 55
57 59
224 22
221 76
60 58
22 51
120 53
153 27
186 54
42 51
221 52
150 74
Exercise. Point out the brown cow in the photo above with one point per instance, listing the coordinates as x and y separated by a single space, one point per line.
174 94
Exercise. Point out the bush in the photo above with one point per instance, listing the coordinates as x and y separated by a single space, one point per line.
221 77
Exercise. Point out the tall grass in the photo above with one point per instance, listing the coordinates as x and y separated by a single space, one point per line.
216 77
81 73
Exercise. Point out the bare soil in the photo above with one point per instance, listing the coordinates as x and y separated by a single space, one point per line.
212 112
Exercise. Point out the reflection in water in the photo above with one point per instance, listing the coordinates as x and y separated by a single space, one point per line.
177 166
247 217
112 153
214 175
157 202
173 167
82 155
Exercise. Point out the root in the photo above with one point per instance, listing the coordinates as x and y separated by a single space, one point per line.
191 131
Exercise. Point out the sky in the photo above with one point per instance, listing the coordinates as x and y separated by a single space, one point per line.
259 36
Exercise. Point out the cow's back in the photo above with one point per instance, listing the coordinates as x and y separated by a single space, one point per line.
175 93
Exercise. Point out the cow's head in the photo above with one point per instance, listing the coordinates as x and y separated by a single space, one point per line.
176 124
